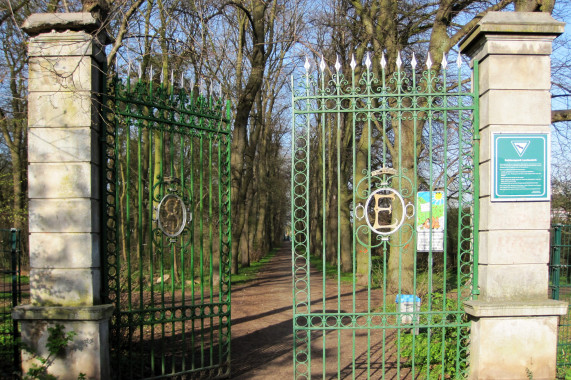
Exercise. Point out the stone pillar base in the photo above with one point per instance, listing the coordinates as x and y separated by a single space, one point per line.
88 351
514 340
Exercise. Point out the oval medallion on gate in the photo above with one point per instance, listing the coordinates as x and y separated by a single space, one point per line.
380 207
171 215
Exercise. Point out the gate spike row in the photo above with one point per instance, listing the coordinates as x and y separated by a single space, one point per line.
322 64
383 61
444 61
368 61
307 65
459 61
337 64
428 62
413 62
353 63
399 61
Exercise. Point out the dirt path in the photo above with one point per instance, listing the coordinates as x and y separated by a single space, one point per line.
262 341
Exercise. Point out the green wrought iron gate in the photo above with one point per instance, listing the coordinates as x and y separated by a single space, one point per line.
560 286
167 231
384 246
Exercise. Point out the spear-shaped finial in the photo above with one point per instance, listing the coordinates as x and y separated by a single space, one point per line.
444 63
413 61
428 62
353 63
399 61
337 64
322 64
459 61
383 61
307 65
368 61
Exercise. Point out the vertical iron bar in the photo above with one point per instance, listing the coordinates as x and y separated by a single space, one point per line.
445 101
338 151
556 262
192 253
201 235
324 216
476 186
151 245
211 269
415 224
14 237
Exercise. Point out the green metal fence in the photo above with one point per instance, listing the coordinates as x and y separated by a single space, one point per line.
167 231
10 297
383 189
560 286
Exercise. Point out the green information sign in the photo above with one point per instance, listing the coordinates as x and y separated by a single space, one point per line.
520 166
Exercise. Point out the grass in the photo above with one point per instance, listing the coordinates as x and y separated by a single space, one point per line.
330 269
246 274
7 278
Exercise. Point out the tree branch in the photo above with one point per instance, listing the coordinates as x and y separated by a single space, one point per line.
560 115
468 27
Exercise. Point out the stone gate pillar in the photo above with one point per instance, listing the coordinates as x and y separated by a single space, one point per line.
66 61
514 324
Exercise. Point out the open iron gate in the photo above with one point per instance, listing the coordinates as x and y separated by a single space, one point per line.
383 190
167 231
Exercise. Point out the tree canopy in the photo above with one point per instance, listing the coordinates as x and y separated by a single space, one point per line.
245 51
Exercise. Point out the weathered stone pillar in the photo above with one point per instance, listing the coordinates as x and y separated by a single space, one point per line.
66 59
514 324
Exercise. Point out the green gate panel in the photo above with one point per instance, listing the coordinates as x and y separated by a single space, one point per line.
560 286
166 231
371 153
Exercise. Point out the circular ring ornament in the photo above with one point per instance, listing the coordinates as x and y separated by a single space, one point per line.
377 196
171 215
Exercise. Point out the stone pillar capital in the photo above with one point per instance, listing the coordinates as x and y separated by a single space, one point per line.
505 32
66 34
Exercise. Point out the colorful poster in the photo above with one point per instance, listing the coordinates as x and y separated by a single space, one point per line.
430 214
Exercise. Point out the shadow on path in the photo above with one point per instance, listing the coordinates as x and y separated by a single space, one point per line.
262 341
